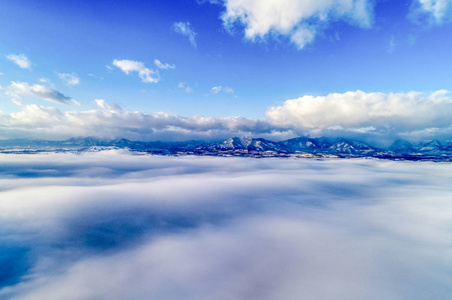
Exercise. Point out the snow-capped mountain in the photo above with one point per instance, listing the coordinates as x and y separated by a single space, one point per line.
244 143
433 147
352 147
246 146
304 144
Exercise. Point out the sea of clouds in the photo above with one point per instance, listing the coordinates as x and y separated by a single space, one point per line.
113 225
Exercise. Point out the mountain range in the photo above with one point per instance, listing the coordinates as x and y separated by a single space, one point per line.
245 146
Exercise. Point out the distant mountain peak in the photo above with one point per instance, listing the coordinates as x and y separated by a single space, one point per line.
246 146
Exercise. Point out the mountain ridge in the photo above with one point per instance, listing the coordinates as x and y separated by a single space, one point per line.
245 146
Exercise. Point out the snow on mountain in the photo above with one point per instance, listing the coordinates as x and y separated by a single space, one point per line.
431 146
247 146
302 144
351 147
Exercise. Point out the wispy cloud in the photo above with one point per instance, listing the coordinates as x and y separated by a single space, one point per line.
392 45
45 80
147 75
69 79
228 90
163 66
219 88
21 60
185 29
19 89
185 87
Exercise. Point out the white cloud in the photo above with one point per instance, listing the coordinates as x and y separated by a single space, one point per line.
147 75
439 10
399 111
166 66
186 30
69 79
21 60
45 80
185 87
303 35
101 103
219 88
228 90
216 89
146 227
297 19
112 122
372 117
18 89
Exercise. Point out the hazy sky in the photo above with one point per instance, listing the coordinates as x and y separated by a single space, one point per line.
116 68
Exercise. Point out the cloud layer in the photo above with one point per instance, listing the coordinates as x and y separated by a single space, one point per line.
372 117
399 113
111 225
110 121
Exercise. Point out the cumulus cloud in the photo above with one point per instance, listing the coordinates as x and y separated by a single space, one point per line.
146 74
439 11
18 89
185 29
163 66
398 112
146 227
297 19
69 79
21 60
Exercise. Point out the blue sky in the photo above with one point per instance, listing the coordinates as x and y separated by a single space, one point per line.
224 59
